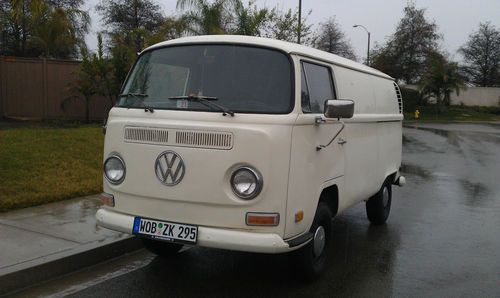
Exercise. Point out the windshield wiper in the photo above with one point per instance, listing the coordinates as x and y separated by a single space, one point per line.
140 97
206 101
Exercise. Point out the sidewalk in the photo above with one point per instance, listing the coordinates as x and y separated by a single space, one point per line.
43 242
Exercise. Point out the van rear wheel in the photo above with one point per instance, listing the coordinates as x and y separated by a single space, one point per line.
160 248
314 254
378 207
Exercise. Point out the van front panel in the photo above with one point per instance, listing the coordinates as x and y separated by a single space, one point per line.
204 195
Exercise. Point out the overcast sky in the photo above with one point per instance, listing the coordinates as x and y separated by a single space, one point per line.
455 19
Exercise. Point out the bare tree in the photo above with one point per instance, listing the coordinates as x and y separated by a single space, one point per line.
330 38
482 56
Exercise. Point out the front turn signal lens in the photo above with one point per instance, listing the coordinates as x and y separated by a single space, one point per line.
107 199
262 219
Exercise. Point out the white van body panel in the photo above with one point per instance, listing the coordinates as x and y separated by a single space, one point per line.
204 196
281 146
375 113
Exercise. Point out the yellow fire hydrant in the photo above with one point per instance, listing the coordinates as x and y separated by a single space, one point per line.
417 114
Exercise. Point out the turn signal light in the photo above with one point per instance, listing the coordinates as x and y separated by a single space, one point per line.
299 216
107 199
262 219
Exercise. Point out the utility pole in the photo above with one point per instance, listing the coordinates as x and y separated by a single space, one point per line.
300 22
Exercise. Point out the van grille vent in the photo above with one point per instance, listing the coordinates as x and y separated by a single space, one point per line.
212 140
400 98
183 138
146 135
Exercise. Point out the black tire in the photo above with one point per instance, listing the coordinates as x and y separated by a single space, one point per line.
313 265
378 207
160 248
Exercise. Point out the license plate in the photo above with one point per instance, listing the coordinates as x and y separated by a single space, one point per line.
166 231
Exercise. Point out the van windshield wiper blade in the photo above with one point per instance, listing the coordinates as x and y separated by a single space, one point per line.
140 97
206 101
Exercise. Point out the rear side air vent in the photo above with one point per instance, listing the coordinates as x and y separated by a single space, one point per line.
400 98
204 139
146 135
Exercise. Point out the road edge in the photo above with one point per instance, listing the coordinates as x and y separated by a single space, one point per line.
22 279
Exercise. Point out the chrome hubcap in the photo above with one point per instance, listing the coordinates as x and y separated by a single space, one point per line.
319 241
385 196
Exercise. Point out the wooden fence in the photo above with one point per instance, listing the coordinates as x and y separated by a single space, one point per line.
37 88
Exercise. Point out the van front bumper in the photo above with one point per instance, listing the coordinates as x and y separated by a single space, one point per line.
208 237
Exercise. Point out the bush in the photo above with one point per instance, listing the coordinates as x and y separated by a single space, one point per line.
488 110
411 99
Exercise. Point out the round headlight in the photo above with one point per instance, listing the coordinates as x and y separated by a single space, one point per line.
246 183
114 169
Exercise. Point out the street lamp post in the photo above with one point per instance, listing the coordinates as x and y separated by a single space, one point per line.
368 51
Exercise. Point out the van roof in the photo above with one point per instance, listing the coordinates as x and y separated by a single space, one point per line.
288 47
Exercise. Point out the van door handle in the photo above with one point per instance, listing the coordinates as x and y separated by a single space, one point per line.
341 141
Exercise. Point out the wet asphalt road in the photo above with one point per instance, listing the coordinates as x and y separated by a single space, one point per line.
442 238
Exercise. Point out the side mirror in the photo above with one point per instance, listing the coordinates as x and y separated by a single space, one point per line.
339 108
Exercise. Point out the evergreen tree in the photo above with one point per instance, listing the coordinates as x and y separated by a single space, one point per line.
130 22
330 38
404 54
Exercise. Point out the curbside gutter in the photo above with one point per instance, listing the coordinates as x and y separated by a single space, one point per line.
64 263
450 122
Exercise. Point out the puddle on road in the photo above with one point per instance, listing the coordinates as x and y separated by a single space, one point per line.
413 145
415 170
477 194
452 137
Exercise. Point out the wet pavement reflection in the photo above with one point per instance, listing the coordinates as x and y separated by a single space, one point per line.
442 238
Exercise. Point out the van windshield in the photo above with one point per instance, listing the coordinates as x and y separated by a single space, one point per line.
239 78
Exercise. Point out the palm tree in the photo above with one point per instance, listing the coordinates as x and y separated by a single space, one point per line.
207 17
52 31
440 80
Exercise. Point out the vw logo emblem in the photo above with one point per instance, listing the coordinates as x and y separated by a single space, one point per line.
169 168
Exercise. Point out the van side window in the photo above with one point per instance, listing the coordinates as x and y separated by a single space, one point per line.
319 85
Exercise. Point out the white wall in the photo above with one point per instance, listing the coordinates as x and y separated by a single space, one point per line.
477 96
472 96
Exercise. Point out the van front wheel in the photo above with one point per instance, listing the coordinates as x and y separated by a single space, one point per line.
161 248
314 254
378 207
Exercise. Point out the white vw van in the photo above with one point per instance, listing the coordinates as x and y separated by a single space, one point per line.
248 144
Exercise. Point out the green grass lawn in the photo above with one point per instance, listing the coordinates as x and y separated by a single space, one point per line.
42 163
456 113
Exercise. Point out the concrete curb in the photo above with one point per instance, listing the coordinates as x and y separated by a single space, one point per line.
450 122
87 256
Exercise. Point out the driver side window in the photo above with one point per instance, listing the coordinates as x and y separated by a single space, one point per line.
317 87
